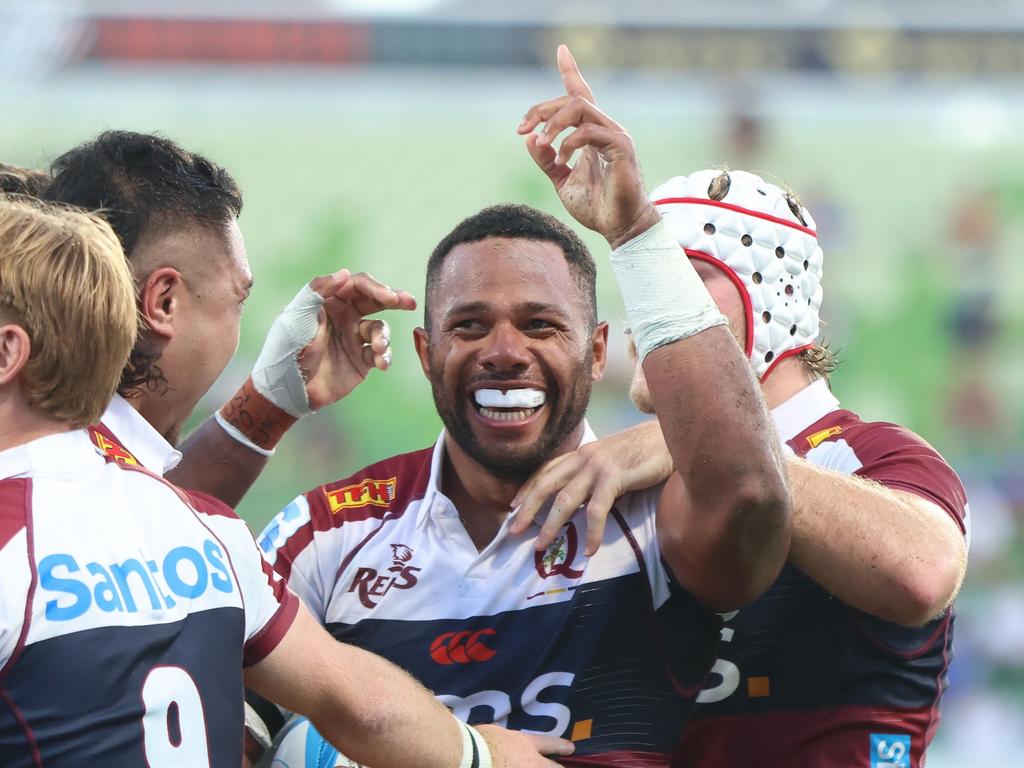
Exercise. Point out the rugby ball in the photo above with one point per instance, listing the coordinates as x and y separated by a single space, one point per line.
300 745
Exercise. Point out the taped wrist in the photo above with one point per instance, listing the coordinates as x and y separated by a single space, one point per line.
253 420
665 298
475 752
276 374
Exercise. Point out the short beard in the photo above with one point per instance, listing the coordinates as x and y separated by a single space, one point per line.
499 461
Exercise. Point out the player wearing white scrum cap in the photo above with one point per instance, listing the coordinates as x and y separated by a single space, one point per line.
842 662
765 242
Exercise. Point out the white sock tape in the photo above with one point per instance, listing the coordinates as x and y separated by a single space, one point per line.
664 296
276 374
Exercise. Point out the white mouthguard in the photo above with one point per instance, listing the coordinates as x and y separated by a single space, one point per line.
513 398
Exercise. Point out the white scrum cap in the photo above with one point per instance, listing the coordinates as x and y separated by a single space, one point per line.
770 255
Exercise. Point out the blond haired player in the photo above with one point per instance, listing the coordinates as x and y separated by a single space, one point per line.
129 608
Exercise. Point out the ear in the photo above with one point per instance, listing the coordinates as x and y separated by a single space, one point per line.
599 344
158 300
15 349
421 340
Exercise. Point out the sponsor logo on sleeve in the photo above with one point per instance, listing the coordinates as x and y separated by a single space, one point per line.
890 750
368 493
371 586
819 437
284 524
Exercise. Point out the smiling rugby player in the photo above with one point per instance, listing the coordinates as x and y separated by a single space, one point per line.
601 634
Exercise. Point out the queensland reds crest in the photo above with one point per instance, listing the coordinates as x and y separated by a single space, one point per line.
372 586
557 559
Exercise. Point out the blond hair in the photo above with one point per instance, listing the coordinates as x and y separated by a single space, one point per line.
65 281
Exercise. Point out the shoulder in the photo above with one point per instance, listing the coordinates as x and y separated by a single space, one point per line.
15 507
205 503
886 453
387 486
845 436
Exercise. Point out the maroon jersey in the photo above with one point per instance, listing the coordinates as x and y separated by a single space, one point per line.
804 679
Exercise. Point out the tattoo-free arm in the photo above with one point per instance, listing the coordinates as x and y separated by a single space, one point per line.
892 554
723 518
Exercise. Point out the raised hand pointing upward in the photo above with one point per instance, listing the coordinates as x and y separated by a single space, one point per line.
604 190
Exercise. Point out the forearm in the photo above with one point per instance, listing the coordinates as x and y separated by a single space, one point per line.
890 554
214 462
391 720
367 707
728 539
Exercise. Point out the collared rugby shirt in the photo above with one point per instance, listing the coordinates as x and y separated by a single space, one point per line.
607 650
803 678
127 611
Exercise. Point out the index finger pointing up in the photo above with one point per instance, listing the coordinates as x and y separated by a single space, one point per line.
573 80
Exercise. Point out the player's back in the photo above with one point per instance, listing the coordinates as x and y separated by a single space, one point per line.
122 622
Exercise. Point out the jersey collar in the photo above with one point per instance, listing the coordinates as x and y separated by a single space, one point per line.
60 454
437 463
139 437
807 406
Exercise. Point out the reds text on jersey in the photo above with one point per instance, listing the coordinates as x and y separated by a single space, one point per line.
603 650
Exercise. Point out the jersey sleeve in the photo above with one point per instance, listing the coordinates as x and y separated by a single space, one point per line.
270 607
897 458
298 542
16 585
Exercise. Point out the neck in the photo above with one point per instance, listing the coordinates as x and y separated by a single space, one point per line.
20 424
789 377
161 411
483 499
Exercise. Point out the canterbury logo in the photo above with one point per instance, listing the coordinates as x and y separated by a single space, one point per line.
463 647
376 493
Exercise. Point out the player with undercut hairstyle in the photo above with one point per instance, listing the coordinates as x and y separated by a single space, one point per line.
176 214
131 611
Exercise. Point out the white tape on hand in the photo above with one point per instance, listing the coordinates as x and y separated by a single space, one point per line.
664 296
276 374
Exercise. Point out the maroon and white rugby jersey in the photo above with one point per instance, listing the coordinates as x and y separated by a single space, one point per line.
127 611
804 679
607 650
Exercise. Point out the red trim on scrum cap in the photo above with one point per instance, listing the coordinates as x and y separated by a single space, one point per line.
738 209
784 355
748 309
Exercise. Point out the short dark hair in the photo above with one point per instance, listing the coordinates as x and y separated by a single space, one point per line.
139 183
135 180
15 180
518 222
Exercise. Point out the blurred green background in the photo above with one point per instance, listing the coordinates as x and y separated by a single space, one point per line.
915 178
